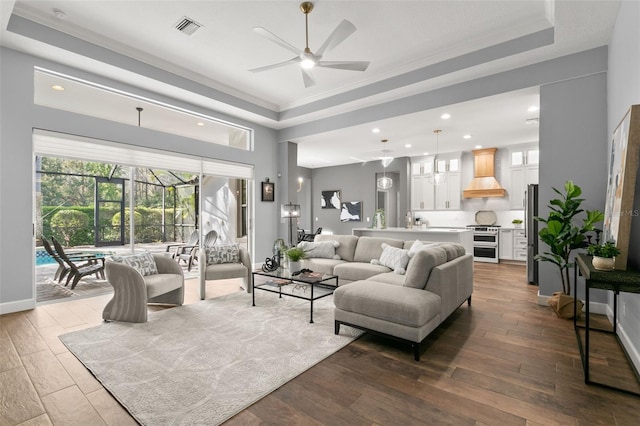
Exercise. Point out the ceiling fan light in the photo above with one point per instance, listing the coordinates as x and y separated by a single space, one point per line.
307 64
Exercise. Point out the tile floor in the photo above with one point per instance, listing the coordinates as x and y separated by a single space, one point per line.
42 383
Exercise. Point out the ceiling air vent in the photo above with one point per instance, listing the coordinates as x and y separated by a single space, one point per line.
187 26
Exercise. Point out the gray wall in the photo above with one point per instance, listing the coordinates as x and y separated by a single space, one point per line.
19 116
573 146
624 91
356 182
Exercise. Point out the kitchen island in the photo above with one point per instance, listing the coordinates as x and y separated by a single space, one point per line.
447 235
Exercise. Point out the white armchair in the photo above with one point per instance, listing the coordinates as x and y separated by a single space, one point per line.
224 262
163 282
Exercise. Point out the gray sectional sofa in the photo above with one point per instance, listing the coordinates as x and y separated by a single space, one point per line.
437 279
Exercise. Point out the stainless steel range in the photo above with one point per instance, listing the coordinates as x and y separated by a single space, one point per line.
485 243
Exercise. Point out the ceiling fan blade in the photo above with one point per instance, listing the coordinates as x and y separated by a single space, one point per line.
340 34
345 65
277 40
307 77
272 66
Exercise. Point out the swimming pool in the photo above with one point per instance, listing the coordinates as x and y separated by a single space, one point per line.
43 258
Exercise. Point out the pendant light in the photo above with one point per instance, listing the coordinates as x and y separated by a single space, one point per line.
385 182
437 177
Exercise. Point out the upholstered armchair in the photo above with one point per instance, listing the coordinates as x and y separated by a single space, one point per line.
141 279
228 261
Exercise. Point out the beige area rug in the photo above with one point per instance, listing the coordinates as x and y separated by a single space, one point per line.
205 362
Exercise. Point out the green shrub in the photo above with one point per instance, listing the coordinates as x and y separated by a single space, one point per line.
70 226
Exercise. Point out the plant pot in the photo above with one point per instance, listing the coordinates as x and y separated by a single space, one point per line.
294 266
517 225
603 263
562 305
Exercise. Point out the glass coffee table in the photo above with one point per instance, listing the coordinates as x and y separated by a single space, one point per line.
307 286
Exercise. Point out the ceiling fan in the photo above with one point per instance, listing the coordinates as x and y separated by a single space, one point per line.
308 59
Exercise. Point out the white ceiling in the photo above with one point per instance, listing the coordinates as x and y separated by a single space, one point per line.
396 36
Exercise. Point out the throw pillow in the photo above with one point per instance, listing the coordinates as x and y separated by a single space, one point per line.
229 253
144 263
322 249
394 258
419 245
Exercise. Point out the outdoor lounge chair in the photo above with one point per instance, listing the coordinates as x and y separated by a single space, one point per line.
181 248
78 271
63 268
209 241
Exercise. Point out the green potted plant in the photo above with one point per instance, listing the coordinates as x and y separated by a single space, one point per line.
563 234
295 256
603 255
517 223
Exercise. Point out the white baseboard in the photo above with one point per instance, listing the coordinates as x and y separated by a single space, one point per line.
594 307
17 306
605 309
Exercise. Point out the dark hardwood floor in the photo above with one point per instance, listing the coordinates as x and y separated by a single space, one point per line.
503 361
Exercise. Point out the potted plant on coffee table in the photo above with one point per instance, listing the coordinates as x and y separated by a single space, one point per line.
563 234
295 256
604 255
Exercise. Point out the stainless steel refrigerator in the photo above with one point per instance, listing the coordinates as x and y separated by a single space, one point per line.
531 231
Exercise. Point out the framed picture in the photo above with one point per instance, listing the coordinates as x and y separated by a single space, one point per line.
330 200
351 211
623 166
268 190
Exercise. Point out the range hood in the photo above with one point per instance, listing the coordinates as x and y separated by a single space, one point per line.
484 183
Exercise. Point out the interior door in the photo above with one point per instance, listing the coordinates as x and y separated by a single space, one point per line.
109 200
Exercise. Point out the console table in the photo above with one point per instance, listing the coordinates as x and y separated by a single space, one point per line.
617 281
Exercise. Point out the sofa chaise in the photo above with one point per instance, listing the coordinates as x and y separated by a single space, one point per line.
399 289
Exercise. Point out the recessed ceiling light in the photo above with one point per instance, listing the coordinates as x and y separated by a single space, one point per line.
200 123
408 145
533 108
375 130
445 116
57 87
478 146
425 153
467 136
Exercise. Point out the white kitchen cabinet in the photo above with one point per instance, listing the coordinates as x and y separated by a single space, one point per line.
524 171
519 245
422 193
505 247
448 193
422 190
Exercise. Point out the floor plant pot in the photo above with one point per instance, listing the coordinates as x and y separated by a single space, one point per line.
562 305
603 263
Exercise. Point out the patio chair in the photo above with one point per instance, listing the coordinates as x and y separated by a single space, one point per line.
63 268
209 241
79 271
180 248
